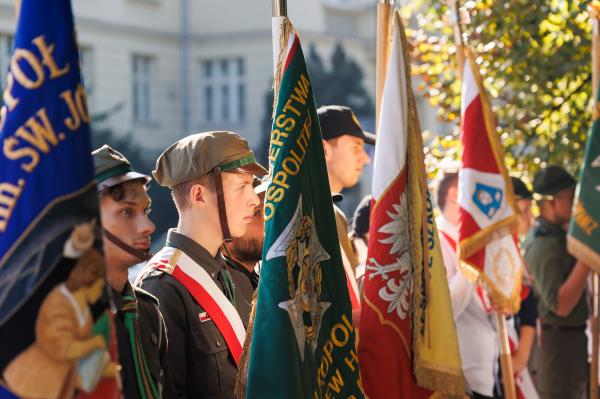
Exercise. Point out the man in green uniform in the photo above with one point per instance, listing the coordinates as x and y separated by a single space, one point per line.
126 229
205 302
560 283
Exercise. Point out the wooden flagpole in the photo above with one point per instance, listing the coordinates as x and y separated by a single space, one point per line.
595 338
508 378
595 276
384 33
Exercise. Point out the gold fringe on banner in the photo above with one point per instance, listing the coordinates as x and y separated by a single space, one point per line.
471 245
430 375
241 380
286 30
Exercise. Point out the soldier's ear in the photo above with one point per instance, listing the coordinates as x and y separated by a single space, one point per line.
197 196
326 148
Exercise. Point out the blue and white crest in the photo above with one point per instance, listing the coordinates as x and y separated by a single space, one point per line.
488 199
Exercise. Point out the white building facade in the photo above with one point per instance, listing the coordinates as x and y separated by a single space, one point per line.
164 68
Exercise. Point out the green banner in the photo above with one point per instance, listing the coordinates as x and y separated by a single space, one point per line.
584 231
303 343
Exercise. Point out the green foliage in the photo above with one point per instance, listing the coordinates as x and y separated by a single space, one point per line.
535 59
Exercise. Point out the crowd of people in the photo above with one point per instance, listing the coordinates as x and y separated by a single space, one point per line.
218 189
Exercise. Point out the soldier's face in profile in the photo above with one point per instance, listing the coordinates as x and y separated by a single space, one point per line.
563 205
346 157
128 219
240 202
248 248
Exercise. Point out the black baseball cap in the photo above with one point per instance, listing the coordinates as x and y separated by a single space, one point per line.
337 120
520 189
551 180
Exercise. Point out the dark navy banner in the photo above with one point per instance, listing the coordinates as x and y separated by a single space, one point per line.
53 318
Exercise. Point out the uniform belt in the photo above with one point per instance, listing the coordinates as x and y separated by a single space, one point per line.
580 327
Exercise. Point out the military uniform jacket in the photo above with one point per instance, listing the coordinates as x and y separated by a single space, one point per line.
153 338
199 360
550 265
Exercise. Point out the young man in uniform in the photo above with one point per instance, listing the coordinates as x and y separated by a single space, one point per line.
344 145
206 304
126 230
559 281
476 334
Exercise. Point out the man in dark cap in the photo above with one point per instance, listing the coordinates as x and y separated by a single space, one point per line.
345 155
206 304
126 230
559 282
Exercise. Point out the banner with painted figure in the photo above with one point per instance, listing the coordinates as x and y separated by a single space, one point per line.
54 323
303 339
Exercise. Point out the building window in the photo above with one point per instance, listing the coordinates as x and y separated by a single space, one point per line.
143 99
6 44
87 69
222 90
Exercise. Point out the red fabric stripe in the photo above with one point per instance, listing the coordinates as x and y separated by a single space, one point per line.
353 295
449 239
292 52
477 152
212 308
467 228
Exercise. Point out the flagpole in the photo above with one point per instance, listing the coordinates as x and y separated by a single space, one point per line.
279 15
595 338
595 325
454 16
384 32
508 380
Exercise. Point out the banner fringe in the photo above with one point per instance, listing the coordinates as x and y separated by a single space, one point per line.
241 380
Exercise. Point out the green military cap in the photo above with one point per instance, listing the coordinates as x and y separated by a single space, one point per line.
112 168
520 189
550 180
199 154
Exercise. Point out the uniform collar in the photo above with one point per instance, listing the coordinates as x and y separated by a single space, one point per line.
195 251
118 296
548 227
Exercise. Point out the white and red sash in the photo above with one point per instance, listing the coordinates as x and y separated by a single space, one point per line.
351 281
206 293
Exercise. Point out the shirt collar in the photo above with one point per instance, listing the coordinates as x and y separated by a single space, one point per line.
195 251
444 225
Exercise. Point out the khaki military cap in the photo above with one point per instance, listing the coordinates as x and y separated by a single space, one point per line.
112 168
199 154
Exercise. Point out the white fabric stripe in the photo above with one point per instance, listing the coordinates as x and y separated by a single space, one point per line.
392 139
290 43
350 273
469 87
197 272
